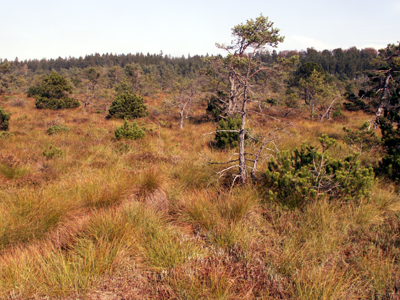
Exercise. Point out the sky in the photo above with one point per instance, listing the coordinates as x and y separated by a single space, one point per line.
56 28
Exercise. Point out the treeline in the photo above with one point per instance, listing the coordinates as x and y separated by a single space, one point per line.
346 64
180 66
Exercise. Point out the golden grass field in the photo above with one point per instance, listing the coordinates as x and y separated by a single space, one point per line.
148 219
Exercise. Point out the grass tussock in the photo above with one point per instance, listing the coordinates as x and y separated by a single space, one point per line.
100 189
222 219
29 213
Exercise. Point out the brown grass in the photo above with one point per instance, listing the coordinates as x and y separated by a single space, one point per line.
148 219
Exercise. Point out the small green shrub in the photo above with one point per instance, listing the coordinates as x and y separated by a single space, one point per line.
362 139
43 102
355 103
53 93
215 108
128 106
5 134
34 90
307 173
271 102
22 118
390 164
52 152
131 132
4 119
225 137
122 147
337 112
56 129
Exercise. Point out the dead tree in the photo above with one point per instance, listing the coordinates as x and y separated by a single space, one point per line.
250 39
91 86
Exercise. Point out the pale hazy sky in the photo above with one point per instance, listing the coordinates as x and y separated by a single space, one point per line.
44 28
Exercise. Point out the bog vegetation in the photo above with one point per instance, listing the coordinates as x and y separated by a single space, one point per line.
255 175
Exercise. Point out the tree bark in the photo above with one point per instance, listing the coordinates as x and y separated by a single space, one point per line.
383 101
242 135
232 94
181 115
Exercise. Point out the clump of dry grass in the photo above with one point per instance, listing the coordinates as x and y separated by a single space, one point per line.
28 213
98 189
151 179
12 168
315 248
221 218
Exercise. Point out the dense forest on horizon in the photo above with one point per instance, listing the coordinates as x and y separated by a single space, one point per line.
345 63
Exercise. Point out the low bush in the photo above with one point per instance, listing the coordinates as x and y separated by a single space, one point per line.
4 119
56 129
361 140
390 164
53 93
225 135
52 152
5 134
128 106
43 102
355 103
215 108
131 132
308 173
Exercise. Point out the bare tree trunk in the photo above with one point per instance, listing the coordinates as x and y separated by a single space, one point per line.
328 111
232 95
312 111
254 169
383 103
386 86
242 135
242 158
182 116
